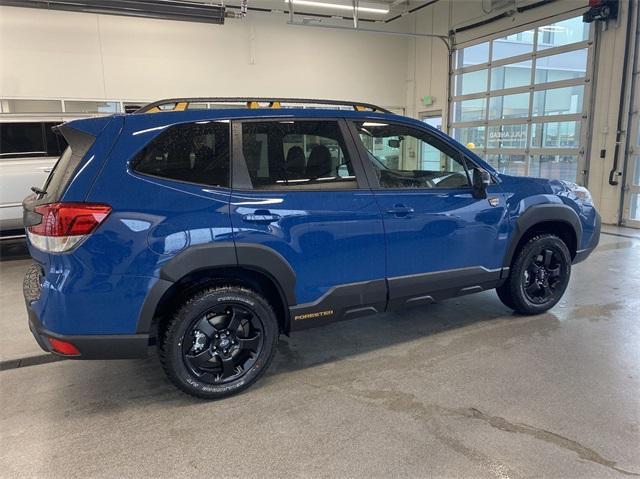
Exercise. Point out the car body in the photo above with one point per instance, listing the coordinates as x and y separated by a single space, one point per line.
318 247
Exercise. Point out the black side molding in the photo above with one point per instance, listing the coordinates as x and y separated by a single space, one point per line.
583 254
219 255
197 257
266 260
353 300
426 288
346 301
542 213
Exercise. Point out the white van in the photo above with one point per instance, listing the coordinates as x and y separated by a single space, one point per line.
28 151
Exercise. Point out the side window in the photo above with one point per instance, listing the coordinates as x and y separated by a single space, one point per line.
192 152
297 155
405 157
18 140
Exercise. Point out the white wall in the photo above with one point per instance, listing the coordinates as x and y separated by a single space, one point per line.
77 55
60 54
427 74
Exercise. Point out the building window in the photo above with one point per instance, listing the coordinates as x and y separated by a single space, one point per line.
519 101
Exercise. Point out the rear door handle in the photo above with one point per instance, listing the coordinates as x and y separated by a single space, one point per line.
400 210
261 217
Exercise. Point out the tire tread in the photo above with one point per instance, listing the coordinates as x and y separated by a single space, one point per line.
178 317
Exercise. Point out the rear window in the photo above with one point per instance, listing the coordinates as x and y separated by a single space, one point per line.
29 139
192 152
297 155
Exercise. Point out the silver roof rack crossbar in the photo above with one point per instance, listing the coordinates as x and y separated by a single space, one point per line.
181 104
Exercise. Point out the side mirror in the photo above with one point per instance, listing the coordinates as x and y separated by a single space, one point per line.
481 180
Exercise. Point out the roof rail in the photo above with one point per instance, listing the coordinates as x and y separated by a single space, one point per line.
181 104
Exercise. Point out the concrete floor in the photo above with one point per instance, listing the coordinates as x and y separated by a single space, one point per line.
458 389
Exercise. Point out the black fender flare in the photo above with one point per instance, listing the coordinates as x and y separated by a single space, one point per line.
254 257
539 214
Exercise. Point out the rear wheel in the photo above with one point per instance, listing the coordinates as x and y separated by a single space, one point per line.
219 342
538 277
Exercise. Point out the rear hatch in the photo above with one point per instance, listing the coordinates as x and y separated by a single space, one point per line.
56 215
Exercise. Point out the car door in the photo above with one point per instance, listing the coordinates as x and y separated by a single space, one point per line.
441 239
299 191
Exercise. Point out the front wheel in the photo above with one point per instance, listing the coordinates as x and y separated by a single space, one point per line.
219 342
538 277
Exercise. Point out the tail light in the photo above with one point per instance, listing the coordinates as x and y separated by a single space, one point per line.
64 225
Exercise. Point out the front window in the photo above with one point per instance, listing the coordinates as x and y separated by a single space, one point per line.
405 157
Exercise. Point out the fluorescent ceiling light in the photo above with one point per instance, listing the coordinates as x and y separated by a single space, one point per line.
363 7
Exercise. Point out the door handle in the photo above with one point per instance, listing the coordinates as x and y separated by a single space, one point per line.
400 210
261 217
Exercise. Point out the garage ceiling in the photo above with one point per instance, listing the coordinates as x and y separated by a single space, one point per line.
213 11
396 8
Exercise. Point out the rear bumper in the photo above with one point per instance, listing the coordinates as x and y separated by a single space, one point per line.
115 346
583 254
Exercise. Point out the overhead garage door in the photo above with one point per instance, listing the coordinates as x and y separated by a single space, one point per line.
521 100
631 212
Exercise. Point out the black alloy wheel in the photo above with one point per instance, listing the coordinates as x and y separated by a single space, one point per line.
219 342
223 344
538 277
543 276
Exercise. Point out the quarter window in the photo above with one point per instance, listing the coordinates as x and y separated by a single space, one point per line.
193 152
405 157
297 155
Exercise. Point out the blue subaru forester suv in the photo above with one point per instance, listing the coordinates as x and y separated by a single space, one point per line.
209 232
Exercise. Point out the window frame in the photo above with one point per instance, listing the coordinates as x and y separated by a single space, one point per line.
538 52
241 179
134 160
467 162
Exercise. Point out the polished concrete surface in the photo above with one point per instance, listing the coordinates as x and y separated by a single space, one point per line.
458 389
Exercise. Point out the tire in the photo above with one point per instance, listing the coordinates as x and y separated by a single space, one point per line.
219 342
539 276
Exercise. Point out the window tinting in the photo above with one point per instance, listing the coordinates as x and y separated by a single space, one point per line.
21 139
296 155
194 152
404 157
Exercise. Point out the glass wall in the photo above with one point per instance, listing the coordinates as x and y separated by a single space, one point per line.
520 100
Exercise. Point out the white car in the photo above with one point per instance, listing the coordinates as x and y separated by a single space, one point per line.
28 151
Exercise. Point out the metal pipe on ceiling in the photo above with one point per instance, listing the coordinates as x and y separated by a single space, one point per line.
202 12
